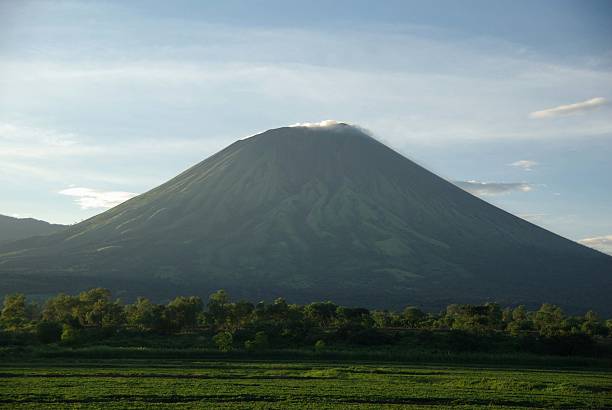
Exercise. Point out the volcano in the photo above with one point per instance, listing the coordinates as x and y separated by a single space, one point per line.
313 213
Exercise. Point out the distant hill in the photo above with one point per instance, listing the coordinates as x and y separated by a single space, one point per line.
12 229
312 213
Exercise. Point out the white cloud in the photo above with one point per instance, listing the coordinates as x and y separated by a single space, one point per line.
88 198
324 123
569 109
493 188
601 243
525 164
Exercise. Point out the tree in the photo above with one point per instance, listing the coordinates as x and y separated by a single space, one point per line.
548 320
62 309
182 312
381 318
357 316
144 315
91 305
479 319
224 341
592 326
413 316
218 308
278 311
519 323
220 297
16 312
91 308
322 313
239 314
106 314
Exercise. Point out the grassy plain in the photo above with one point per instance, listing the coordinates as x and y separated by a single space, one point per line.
269 384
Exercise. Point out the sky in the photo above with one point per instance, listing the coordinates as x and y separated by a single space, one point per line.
511 100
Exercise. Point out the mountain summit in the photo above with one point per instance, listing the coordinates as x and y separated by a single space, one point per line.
311 213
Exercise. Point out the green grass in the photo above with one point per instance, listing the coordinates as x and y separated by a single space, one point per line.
166 383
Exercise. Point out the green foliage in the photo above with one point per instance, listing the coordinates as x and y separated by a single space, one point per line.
71 336
61 308
182 312
218 309
592 325
93 316
549 320
413 317
519 323
356 316
89 308
476 319
16 312
224 341
145 315
321 313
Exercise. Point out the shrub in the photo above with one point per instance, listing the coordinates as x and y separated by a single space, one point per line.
70 335
259 343
48 332
224 341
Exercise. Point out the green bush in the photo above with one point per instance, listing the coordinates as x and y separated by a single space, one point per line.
70 336
224 341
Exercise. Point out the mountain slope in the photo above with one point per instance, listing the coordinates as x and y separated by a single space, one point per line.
314 213
12 229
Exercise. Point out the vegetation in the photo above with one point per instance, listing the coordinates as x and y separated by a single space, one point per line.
94 318
295 385
91 351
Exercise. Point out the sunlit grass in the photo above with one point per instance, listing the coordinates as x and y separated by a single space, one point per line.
283 385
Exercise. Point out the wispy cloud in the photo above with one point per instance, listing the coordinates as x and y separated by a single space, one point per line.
321 124
525 164
493 188
26 142
569 109
19 141
601 243
88 198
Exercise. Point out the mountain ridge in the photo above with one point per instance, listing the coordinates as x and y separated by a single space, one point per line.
12 228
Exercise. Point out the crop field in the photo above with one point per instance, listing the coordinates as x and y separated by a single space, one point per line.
148 384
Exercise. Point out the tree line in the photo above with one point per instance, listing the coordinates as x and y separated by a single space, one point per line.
95 315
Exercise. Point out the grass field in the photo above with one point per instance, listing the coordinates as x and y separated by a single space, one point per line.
183 384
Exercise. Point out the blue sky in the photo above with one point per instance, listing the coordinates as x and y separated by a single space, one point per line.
100 101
